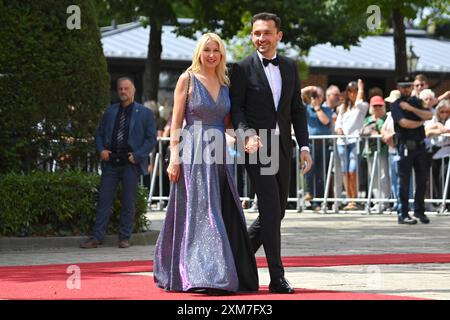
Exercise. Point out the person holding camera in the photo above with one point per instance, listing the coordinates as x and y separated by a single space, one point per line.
409 116
124 140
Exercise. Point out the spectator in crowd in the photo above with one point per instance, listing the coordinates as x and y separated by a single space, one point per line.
159 120
409 116
388 134
319 122
333 99
375 91
420 83
349 122
160 123
429 99
434 128
372 126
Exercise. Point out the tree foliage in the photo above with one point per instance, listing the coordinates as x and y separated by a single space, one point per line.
54 85
304 23
153 13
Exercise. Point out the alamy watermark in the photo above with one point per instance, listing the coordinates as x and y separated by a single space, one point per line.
74 280
374 278
203 144
74 20
374 20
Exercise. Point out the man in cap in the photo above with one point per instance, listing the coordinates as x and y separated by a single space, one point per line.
409 116
394 95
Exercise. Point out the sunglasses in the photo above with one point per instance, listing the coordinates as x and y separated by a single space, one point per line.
378 106
419 85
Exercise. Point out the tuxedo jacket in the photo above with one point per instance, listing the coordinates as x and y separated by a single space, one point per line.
252 105
141 134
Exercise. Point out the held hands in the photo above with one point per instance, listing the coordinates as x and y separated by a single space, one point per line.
252 144
305 161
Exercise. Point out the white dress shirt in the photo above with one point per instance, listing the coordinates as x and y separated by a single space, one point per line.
273 75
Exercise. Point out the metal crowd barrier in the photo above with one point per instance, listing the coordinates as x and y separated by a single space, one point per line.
334 195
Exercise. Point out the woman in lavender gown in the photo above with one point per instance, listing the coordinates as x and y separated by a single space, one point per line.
203 244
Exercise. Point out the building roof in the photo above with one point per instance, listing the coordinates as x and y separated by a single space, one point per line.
373 52
131 41
377 52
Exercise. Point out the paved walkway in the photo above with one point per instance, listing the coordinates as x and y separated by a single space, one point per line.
309 234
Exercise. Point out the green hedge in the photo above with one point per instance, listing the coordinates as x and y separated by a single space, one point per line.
54 84
57 204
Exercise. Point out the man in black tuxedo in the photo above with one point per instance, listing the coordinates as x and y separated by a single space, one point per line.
265 96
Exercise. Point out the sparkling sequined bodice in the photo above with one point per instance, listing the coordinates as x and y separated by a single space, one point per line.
202 107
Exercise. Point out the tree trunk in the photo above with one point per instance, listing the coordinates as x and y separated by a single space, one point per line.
152 64
401 68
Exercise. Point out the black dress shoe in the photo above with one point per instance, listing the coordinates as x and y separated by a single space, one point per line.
407 220
280 286
422 217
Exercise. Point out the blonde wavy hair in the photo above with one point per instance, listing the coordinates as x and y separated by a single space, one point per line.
221 69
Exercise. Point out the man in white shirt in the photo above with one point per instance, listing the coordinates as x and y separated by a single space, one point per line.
265 95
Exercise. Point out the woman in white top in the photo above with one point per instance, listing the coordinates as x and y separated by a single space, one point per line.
434 128
348 123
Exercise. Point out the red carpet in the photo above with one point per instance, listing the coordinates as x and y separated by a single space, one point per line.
362 259
105 280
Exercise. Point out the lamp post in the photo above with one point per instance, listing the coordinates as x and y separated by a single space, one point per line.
411 59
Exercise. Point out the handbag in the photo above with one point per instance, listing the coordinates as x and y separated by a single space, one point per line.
167 154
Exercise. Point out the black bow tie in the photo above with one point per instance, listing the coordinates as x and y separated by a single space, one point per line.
274 61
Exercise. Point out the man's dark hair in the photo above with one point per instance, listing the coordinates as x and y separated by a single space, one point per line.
266 16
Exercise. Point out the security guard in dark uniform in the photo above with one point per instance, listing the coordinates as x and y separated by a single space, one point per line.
409 116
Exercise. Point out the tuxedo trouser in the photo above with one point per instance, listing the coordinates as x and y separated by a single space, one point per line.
272 192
